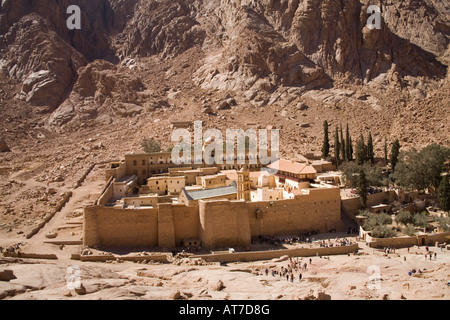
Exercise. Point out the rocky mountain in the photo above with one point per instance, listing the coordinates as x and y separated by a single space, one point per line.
136 58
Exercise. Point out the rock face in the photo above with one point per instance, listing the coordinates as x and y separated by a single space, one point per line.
102 88
262 51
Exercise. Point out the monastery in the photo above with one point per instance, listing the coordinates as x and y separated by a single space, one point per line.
149 201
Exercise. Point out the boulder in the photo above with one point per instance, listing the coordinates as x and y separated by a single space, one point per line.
219 286
223 106
7 275
3 146
176 295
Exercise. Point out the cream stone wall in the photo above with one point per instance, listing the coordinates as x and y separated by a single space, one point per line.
320 210
118 227
223 224
217 223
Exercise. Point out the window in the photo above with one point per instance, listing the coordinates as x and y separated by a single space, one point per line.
134 163
143 162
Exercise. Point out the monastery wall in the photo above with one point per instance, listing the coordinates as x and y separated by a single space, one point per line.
353 205
118 228
223 224
320 210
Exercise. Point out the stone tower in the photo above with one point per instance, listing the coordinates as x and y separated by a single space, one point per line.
243 185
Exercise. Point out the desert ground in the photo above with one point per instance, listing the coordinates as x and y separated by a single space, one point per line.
345 277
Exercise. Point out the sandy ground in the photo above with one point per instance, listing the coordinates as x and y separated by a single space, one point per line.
370 275
339 277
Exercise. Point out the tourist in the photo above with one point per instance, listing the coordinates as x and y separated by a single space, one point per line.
435 256
300 276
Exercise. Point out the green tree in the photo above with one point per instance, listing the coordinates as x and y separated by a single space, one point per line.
383 219
420 220
348 145
362 188
337 147
350 172
343 150
151 146
370 152
444 193
444 223
326 141
383 232
385 152
421 170
360 153
404 217
395 151
409 230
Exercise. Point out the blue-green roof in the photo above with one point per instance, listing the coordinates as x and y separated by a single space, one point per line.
211 193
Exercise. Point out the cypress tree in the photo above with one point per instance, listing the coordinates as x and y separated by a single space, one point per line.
343 150
348 145
337 147
385 152
326 141
395 151
370 152
360 151
362 188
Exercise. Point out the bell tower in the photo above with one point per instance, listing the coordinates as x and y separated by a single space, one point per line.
243 185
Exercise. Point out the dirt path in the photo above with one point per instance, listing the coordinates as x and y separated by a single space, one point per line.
68 222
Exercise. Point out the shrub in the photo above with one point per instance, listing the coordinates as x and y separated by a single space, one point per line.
404 217
383 219
383 232
409 230
420 220
151 146
444 223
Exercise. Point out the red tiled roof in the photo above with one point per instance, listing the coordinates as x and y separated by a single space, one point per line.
292 167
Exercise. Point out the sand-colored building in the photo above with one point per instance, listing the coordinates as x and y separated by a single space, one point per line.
286 169
217 217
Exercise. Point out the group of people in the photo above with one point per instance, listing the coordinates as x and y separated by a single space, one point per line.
274 241
430 254
338 242
288 272
306 238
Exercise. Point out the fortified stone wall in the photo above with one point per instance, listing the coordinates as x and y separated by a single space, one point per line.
408 241
353 205
224 223
320 210
219 223
118 228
